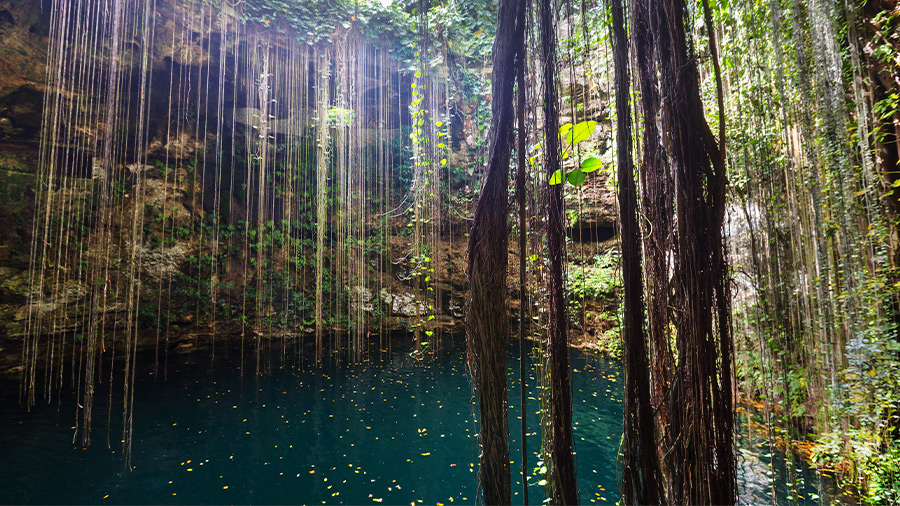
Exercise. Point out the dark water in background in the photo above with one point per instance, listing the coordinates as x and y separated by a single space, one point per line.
394 430
795 482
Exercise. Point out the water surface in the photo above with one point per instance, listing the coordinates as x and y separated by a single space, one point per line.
396 429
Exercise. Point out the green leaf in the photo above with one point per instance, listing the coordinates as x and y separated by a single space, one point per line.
580 132
576 177
591 164
563 130
557 178
542 483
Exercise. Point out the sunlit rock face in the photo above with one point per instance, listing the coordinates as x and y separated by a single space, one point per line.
212 179
23 39
23 52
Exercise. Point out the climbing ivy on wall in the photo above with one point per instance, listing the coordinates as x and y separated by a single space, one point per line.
467 28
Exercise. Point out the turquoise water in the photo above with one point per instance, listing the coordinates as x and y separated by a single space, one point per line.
396 429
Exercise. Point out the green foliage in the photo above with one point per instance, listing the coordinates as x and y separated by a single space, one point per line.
591 164
609 343
873 463
603 278
467 28
883 472
576 177
575 134
341 117
313 22
572 135
599 282
815 338
402 152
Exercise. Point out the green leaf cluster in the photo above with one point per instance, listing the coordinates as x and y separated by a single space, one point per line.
572 135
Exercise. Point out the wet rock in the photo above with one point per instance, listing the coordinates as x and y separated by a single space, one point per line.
180 147
63 308
136 168
6 20
456 308
403 303
593 211
160 263
21 113
17 182
23 47
362 298
175 43
13 286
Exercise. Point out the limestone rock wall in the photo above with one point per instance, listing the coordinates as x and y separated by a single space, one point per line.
167 255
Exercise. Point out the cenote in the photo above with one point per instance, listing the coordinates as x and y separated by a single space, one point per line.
398 428
284 251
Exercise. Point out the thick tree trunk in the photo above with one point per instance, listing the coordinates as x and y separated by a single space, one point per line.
564 488
640 473
700 406
487 325
657 208
883 80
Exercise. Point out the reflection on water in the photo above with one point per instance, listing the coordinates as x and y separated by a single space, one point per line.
796 483
395 429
